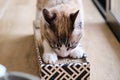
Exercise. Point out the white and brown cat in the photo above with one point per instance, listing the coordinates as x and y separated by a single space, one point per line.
61 28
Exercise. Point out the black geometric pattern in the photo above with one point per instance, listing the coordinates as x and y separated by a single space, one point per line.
72 71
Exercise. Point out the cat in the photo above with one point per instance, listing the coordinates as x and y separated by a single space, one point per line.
61 28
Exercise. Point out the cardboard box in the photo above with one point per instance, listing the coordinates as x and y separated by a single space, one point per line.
64 69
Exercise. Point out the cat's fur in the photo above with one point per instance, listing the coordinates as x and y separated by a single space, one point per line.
61 28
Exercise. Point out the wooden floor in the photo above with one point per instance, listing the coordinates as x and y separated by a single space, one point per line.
17 51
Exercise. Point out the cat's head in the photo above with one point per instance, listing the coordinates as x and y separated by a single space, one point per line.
62 32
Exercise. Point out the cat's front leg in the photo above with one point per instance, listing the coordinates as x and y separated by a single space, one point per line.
49 56
37 21
78 52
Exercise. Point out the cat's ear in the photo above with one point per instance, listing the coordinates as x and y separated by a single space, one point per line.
49 17
73 16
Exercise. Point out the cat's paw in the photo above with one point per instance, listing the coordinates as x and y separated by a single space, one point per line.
50 58
77 53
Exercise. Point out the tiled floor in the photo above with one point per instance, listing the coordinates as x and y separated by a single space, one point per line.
17 51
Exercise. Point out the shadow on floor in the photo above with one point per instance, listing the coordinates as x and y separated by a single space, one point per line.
18 53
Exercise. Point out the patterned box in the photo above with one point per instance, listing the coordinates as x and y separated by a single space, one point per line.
64 69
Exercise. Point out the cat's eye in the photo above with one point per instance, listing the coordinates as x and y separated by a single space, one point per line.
68 49
58 48
58 45
68 45
71 46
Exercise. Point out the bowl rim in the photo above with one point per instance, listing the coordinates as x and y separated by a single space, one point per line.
24 75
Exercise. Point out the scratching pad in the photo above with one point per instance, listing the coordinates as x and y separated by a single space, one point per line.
64 68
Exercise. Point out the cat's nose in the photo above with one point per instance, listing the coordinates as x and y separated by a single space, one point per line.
63 52
63 49
63 46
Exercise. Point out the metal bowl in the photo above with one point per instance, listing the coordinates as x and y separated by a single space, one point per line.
19 76
4 75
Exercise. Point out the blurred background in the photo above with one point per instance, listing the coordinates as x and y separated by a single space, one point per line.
111 12
101 40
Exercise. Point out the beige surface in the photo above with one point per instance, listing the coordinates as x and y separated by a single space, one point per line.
100 44
17 48
115 8
16 37
2 4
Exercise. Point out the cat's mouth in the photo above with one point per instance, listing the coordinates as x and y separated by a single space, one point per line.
66 54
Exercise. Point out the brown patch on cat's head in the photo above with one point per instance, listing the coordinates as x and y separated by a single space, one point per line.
59 27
